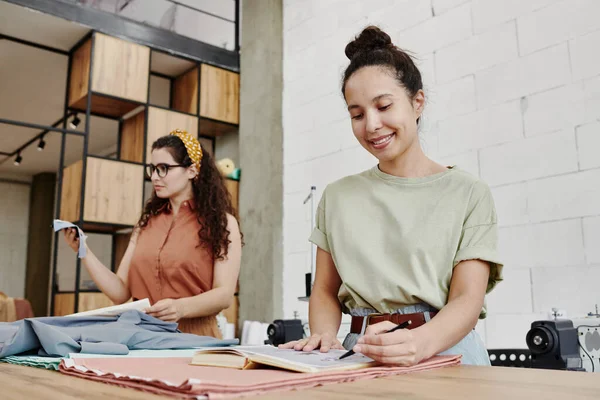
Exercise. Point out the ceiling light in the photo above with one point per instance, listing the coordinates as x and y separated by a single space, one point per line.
42 144
75 122
18 159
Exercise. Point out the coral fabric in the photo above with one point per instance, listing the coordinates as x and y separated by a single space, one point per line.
177 378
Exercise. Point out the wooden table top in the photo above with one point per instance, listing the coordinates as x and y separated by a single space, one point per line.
489 383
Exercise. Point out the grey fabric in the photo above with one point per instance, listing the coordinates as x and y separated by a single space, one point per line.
59 224
132 330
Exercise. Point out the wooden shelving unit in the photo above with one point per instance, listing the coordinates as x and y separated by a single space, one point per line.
110 77
118 72
112 193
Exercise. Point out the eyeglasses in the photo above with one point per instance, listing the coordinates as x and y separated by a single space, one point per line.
161 169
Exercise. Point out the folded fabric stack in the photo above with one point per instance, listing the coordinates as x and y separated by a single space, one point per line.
176 377
52 363
33 361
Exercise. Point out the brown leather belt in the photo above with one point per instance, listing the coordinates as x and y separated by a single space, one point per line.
416 320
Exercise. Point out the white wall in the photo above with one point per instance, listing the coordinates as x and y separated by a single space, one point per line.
514 97
14 224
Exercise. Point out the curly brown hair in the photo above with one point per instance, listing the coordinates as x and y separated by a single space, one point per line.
211 197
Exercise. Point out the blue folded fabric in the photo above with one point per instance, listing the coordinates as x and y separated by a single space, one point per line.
59 224
131 330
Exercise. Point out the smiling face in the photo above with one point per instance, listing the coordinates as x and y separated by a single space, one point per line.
177 179
383 114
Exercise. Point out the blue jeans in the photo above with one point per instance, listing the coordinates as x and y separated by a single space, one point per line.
471 347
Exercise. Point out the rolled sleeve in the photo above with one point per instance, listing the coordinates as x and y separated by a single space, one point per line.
479 238
319 233
320 239
479 244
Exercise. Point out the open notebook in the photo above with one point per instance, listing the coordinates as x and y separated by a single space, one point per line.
112 311
250 357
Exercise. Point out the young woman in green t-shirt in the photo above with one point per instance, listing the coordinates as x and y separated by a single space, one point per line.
410 239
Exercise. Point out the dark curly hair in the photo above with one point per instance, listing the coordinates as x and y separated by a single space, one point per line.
374 47
212 199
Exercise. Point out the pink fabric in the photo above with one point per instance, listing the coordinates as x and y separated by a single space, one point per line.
175 377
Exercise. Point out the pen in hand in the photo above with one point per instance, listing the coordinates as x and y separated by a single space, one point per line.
399 326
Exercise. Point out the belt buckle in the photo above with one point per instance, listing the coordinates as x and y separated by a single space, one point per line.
366 321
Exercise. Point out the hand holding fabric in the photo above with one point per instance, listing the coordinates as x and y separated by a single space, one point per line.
72 238
168 310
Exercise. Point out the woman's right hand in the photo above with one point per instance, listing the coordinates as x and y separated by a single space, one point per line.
324 342
72 239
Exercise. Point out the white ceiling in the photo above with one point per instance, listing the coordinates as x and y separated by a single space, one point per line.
32 89
32 86
39 28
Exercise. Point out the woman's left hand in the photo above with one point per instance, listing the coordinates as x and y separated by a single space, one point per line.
401 347
168 310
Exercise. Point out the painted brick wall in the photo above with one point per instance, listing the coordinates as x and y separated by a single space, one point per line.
513 97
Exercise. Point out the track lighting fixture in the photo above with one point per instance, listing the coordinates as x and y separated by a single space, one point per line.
75 121
18 159
42 144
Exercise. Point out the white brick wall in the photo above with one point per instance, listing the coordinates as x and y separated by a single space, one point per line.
551 244
441 6
505 331
591 238
565 196
487 127
573 289
537 157
14 222
534 73
454 98
584 49
513 92
511 204
468 161
477 53
397 15
557 23
513 296
436 33
588 143
554 109
488 13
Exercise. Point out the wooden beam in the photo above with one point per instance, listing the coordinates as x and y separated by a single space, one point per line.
39 242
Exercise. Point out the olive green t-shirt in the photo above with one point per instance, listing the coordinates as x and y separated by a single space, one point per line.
395 241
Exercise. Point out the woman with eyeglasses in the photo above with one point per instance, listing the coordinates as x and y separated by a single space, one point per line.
184 253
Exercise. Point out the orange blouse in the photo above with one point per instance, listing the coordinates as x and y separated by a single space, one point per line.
169 263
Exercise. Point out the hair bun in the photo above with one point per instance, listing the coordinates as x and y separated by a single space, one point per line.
371 38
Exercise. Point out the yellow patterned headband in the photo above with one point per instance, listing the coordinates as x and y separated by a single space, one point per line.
192 145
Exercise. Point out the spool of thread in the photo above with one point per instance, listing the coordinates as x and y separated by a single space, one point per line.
222 323
229 331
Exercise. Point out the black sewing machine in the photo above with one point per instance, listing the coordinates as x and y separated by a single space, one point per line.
567 344
284 330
